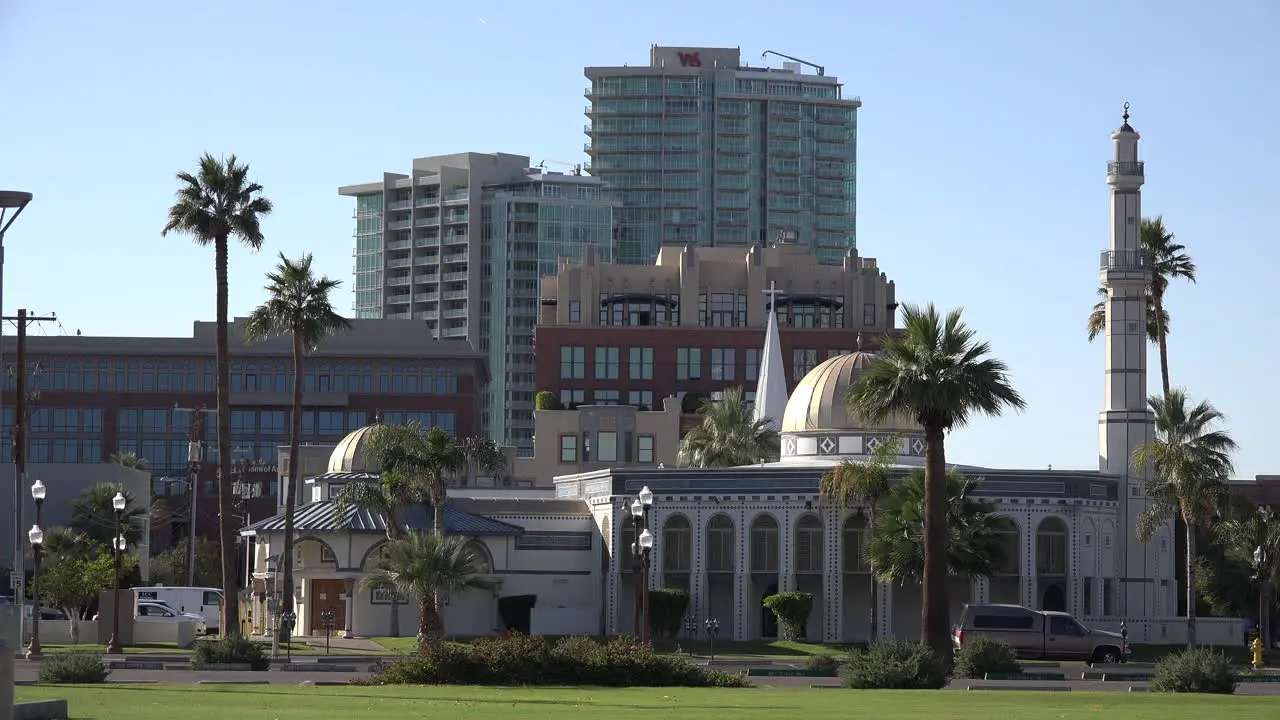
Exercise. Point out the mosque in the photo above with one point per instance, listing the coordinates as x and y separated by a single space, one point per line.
562 562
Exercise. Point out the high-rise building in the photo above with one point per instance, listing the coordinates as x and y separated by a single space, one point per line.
702 149
461 244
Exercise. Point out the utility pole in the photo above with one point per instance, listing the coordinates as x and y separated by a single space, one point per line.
20 484
195 460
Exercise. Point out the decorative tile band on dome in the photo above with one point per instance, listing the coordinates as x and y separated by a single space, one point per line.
846 443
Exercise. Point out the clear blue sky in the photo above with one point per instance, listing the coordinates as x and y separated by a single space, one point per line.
983 143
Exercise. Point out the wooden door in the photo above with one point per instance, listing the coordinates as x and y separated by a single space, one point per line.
327 596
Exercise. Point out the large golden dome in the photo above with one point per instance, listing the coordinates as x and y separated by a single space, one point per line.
820 401
348 456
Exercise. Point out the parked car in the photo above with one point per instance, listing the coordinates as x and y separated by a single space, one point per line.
205 602
1039 634
148 611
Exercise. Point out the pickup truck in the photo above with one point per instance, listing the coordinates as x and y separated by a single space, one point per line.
1039 634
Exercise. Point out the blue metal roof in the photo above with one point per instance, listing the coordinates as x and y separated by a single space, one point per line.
321 517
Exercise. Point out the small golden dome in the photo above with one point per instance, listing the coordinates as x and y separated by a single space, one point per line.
348 456
820 401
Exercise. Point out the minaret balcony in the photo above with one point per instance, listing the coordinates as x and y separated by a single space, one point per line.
1125 264
1125 169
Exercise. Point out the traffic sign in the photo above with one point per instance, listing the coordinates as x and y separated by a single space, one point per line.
15 580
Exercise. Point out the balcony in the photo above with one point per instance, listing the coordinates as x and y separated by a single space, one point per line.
399 263
398 281
456 258
398 225
1125 264
455 313
427 201
454 195
455 277
425 297
456 239
399 205
454 295
430 221
397 244
429 241
457 218
1125 169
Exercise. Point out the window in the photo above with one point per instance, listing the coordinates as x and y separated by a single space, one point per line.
607 447
606 397
572 398
688 363
244 422
722 310
645 449
802 361
1021 621
752 358
573 362
642 399
869 314
607 360
568 448
722 362
1062 625
641 363
575 311
1086 593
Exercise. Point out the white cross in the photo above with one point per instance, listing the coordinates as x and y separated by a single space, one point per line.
773 292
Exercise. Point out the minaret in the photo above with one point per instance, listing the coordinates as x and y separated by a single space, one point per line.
1126 421
771 387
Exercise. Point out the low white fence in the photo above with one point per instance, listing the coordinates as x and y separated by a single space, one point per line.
1173 630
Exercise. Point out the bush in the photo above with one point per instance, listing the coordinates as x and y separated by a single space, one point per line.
532 660
231 651
980 656
666 611
825 664
73 668
547 400
1198 670
895 665
792 610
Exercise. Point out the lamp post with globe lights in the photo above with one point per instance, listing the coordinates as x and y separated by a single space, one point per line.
641 508
36 537
118 545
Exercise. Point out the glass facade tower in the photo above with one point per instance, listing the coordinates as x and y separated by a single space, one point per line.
703 150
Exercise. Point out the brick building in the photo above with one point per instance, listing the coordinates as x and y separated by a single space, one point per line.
694 322
103 395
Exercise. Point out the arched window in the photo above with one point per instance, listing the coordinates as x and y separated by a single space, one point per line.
722 551
809 550
1051 547
1010 561
764 544
855 544
677 546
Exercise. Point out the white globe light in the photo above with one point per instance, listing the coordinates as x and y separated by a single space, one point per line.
118 502
646 539
35 535
38 491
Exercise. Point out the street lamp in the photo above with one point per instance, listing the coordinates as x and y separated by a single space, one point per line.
36 537
713 629
1260 561
641 550
118 544
14 200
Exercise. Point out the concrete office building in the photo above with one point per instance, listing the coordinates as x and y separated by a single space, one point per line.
695 321
104 395
703 149
460 244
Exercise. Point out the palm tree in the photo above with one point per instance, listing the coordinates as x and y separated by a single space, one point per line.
426 458
1189 463
936 371
1251 536
211 206
297 305
729 435
1098 318
93 516
896 548
1168 261
862 485
129 460
427 566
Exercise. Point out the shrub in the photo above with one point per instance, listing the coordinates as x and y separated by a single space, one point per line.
1198 670
524 660
895 665
666 611
792 610
231 651
547 400
980 656
825 664
73 668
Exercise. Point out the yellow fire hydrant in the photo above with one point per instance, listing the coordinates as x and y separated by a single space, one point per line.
1256 647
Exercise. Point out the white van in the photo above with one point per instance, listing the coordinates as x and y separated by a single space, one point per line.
205 602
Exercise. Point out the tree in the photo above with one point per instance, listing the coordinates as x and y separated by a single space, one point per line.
94 517
938 372
1169 261
896 547
297 305
427 566
1190 463
729 435
1250 538
212 205
72 580
169 567
862 485
129 460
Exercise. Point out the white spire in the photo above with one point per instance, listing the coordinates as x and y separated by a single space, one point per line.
771 388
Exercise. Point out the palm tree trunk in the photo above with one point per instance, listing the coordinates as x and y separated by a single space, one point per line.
935 629
438 498
1157 303
874 613
394 532
428 622
230 624
291 482
1191 583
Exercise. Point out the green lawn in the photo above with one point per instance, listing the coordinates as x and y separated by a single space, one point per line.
282 702
727 649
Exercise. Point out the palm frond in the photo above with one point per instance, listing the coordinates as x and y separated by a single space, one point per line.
298 304
729 435
861 483
424 565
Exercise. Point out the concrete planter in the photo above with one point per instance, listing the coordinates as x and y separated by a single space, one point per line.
316 667
222 666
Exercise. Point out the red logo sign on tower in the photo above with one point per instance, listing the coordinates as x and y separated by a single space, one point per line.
689 59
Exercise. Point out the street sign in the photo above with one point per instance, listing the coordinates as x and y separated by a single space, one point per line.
15 580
